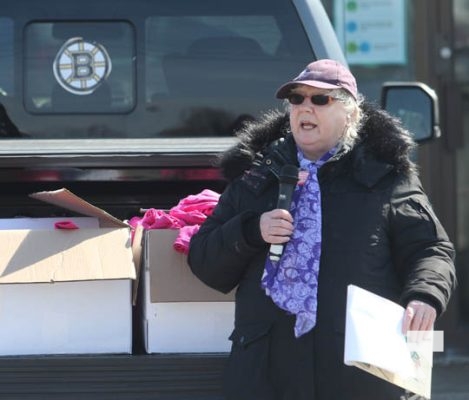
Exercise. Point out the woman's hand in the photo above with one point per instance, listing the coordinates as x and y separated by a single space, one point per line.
418 316
276 226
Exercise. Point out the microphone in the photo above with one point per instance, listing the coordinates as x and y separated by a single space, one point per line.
288 179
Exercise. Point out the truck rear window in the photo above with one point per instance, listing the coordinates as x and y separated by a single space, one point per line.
139 69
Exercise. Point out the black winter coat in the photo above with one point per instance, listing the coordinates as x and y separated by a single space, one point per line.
379 232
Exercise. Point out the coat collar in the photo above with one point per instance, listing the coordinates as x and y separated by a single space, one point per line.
383 145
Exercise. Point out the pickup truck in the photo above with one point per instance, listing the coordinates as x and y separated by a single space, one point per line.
127 103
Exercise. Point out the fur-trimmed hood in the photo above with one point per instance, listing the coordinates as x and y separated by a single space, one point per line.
381 135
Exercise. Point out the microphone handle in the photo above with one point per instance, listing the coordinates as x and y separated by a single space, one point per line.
275 252
284 201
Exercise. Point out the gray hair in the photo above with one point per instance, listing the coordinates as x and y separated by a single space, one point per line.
354 115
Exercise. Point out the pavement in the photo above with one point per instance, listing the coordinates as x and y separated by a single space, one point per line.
450 378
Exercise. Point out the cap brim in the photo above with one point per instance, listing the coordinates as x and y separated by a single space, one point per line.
284 90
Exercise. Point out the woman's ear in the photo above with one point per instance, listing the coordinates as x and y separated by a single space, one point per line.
352 117
348 120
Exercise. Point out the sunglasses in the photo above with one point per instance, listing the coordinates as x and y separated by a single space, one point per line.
316 99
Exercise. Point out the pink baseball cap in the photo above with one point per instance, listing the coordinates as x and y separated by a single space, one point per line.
324 74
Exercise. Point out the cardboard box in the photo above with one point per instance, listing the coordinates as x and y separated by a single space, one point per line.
180 313
66 291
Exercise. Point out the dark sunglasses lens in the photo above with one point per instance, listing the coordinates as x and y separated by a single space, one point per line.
296 98
320 99
316 99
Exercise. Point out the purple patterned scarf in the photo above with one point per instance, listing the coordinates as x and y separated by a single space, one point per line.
292 282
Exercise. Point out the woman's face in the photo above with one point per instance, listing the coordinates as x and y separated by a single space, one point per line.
316 128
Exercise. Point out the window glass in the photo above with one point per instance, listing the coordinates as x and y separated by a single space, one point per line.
79 67
7 78
6 56
140 69
207 74
213 38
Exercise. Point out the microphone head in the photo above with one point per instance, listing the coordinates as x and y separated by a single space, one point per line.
289 174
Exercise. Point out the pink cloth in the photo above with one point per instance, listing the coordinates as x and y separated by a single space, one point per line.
158 219
187 216
65 225
181 244
205 202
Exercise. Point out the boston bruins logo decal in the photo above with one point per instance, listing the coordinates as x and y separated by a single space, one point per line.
80 67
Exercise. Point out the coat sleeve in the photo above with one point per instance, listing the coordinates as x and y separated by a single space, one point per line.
220 253
422 251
